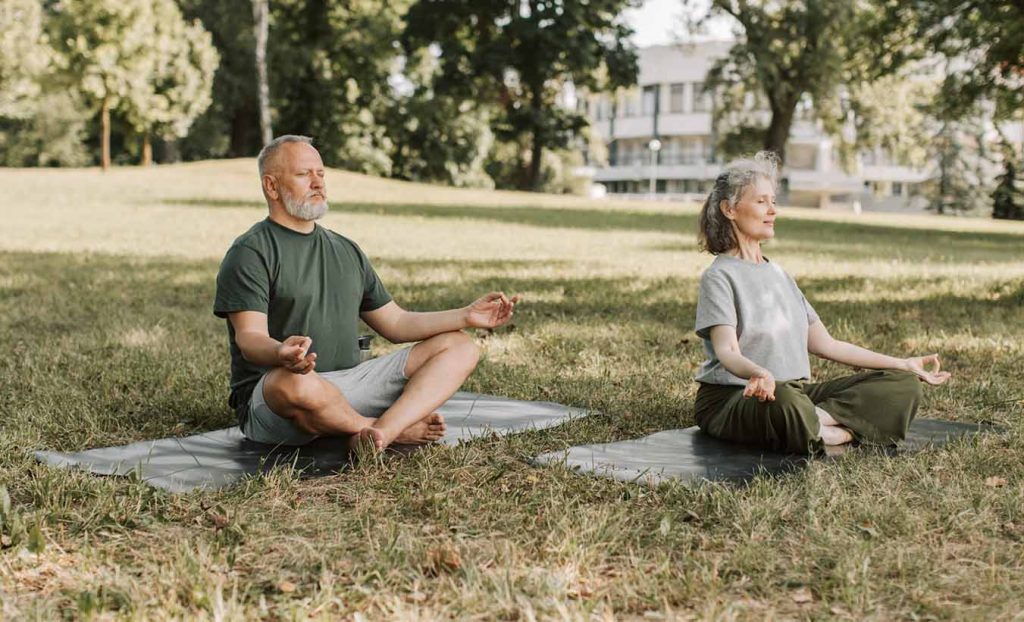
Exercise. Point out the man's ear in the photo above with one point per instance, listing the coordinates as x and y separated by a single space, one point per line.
270 187
726 209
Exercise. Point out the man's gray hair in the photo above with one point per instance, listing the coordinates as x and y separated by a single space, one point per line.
271 149
715 233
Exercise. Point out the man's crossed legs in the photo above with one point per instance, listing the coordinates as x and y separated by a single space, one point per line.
387 400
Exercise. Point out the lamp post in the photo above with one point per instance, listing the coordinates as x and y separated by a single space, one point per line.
655 147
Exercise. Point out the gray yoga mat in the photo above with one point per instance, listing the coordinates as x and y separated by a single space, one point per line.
691 456
221 458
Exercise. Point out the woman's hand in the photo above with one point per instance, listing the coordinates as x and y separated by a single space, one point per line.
919 365
761 385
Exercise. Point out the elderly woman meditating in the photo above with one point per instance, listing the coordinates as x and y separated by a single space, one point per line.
757 329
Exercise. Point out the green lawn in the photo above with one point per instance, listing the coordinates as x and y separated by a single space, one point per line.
106 286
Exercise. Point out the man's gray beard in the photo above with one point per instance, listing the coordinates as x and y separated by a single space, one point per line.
304 210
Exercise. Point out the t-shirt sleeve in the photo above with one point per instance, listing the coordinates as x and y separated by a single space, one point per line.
243 283
716 304
375 295
812 315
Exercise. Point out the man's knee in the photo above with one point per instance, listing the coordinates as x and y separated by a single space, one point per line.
460 347
287 393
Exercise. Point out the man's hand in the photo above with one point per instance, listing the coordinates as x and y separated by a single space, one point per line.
293 354
761 385
491 311
919 366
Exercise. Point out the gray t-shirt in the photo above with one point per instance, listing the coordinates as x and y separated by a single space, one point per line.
769 312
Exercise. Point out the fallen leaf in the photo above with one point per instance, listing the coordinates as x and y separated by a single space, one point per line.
995 481
444 557
802 596
286 586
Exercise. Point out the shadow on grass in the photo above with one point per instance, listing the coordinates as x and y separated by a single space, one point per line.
103 348
839 239
590 219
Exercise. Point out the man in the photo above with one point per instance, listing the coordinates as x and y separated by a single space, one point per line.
293 291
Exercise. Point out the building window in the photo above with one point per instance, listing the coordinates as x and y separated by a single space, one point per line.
701 100
650 100
897 189
630 105
675 98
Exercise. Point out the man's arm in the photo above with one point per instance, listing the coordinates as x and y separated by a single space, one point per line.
400 326
259 348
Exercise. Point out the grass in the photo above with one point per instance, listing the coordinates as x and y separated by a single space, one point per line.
106 285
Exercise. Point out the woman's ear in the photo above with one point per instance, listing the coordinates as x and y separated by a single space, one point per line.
726 209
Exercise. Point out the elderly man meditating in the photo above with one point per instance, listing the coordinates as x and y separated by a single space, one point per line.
293 291
757 329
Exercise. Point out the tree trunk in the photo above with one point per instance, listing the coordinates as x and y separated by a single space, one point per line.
105 134
147 149
777 136
537 146
261 19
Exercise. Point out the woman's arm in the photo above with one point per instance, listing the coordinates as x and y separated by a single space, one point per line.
821 344
761 383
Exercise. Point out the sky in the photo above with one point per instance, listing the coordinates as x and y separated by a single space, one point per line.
659 22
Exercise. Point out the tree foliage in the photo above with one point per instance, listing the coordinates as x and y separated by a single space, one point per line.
519 56
985 41
179 74
136 58
797 54
40 123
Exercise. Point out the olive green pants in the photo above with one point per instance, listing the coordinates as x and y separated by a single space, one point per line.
877 406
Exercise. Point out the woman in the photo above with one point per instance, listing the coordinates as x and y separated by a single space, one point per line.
757 329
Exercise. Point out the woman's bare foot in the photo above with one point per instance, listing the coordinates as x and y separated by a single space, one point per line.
427 430
836 435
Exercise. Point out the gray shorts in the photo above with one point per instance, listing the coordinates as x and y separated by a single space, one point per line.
370 387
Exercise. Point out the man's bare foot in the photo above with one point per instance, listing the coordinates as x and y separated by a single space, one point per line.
427 430
836 435
369 439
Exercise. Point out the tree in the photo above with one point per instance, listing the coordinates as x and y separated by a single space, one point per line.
261 31
984 39
107 46
437 139
40 123
25 54
231 125
330 65
178 81
799 54
965 165
519 56
1008 196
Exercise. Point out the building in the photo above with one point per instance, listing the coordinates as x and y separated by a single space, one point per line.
670 105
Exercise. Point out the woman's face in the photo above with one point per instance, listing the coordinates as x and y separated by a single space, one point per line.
754 213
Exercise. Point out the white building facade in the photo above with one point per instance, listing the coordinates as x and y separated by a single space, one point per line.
670 107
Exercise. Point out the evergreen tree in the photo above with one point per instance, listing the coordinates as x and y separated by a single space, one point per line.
1008 197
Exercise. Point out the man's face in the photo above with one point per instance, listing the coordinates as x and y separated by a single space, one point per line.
300 180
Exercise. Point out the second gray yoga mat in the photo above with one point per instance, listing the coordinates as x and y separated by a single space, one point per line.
690 456
220 458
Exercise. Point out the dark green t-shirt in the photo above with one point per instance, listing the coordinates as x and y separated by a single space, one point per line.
313 284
